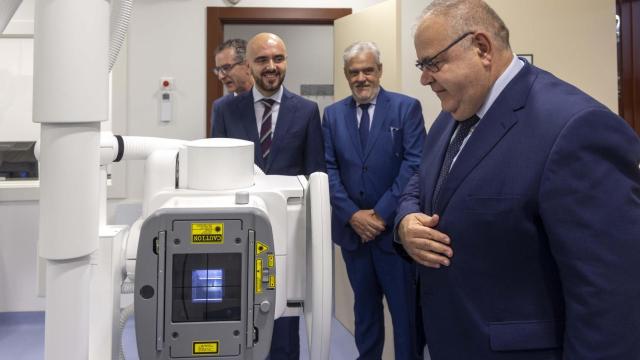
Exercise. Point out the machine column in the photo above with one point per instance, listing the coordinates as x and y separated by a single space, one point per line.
70 100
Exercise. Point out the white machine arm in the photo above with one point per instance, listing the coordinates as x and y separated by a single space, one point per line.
318 307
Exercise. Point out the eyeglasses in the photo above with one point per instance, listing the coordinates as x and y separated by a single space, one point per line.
224 69
431 64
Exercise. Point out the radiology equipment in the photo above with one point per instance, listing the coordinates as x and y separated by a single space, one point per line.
211 266
218 254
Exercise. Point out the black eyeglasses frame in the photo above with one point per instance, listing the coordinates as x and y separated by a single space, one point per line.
224 69
428 62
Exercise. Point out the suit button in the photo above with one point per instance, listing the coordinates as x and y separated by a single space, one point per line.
364 169
361 193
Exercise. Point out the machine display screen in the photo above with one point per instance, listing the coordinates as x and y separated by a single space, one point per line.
206 287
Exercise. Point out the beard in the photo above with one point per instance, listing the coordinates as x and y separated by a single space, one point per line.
364 92
269 80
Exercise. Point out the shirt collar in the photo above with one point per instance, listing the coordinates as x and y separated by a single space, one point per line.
257 95
510 72
372 102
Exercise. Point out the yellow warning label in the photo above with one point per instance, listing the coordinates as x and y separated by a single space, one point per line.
207 233
258 275
270 260
261 247
205 347
272 281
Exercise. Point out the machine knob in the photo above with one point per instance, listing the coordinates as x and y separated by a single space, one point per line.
265 306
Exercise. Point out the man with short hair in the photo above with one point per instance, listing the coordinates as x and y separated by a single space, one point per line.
373 142
232 70
525 212
285 129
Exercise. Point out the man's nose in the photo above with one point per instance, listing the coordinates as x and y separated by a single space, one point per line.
271 64
426 77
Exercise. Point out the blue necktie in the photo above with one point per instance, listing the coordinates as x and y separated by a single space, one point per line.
452 150
364 126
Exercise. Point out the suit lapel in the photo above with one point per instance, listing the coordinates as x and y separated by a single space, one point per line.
350 121
286 114
247 117
496 123
380 121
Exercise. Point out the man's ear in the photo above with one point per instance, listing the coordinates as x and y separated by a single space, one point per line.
484 46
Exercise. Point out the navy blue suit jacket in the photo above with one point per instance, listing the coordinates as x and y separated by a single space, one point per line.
543 210
373 179
296 148
217 103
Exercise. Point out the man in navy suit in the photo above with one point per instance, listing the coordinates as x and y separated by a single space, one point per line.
373 142
525 213
232 70
285 129
294 136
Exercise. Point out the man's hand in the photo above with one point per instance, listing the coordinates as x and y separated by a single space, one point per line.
424 244
367 224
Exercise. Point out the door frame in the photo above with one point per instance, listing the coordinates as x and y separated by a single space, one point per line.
217 17
629 62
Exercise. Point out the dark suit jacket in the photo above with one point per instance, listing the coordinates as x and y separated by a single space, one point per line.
543 210
373 179
296 148
217 103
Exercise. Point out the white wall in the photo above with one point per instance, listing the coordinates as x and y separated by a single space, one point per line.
18 237
573 39
16 77
409 74
18 220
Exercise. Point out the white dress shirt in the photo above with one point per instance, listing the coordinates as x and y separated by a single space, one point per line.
370 110
258 107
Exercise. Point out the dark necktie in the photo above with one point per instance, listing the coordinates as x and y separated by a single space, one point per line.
265 128
364 125
454 147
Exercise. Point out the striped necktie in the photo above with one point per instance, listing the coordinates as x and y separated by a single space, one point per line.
452 150
265 128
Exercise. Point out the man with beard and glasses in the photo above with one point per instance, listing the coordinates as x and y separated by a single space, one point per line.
525 213
285 129
373 143
232 70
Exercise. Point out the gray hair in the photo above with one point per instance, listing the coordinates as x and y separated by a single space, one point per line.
359 47
239 47
469 15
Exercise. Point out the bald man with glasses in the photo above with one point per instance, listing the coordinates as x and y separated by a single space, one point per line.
525 214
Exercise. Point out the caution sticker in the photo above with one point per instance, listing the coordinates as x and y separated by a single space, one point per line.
258 275
261 247
207 233
205 347
270 260
272 281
